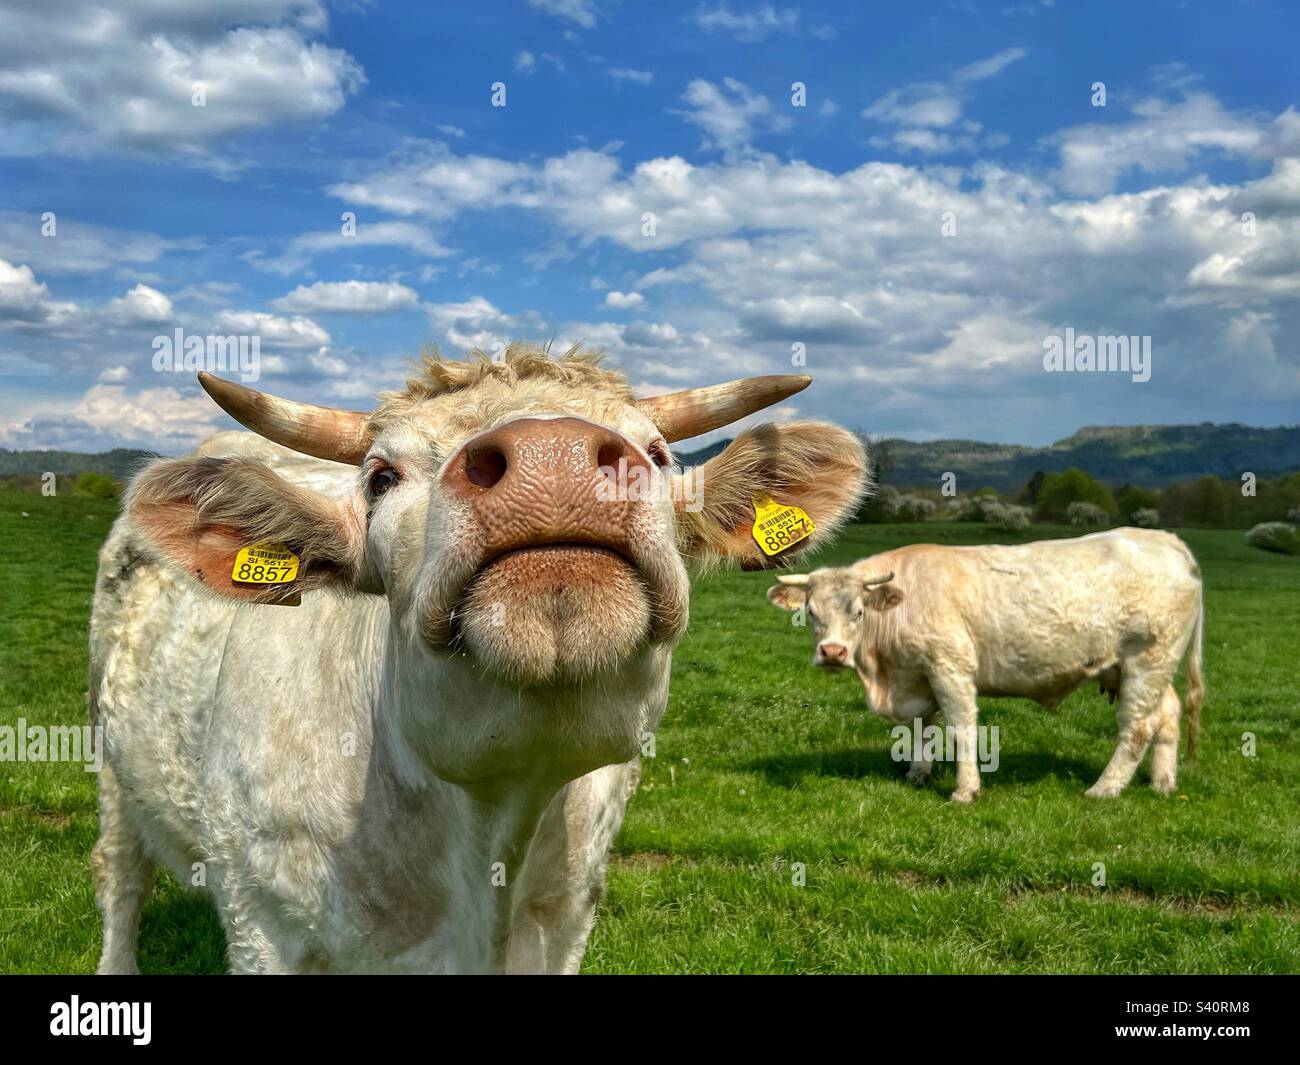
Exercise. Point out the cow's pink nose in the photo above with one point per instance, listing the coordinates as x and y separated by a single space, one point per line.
546 480
833 652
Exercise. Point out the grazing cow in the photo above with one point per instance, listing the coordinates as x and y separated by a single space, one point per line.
414 755
929 628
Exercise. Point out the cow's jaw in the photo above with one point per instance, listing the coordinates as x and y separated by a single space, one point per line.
477 729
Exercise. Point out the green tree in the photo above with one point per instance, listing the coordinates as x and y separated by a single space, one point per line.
1209 503
96 484
1028 495
1059 490
1131 498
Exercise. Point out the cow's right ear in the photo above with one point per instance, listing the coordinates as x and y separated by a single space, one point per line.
787 596
198 513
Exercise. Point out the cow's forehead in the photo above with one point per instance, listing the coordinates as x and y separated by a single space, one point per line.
834 587
444 421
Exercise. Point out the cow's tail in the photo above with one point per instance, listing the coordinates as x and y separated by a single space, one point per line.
1196 682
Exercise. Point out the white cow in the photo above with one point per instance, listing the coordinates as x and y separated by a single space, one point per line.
929 628
414 756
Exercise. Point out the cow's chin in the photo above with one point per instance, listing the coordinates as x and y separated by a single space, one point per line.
554 614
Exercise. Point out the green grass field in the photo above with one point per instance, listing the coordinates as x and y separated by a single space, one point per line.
764 762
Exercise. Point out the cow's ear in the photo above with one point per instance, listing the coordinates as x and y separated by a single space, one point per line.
882 597
787 596
197 514
819 468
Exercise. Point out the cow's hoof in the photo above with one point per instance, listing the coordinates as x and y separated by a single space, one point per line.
1102 791
965 797
1164 785
920 774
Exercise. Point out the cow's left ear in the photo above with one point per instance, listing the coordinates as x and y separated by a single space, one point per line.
817 467
882 597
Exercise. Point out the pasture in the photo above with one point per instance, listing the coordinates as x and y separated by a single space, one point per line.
763 762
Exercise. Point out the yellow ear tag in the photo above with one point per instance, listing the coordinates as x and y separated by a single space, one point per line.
779 526
265 562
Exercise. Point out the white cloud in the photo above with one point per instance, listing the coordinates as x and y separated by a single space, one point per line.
428 179
476 323
525 62
623 300
730 116
750 26
109 416
79 247
918 104
1161 136
640 77
924 107
24 301
89 76
347 297
302 249
583 12
141 306
982 69
296 333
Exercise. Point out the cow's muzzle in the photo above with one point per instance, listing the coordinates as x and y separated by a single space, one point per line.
565 581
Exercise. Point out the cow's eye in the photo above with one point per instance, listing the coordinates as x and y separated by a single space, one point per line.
658 451
858 616
381 480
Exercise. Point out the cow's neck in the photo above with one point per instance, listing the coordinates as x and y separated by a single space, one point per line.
451 853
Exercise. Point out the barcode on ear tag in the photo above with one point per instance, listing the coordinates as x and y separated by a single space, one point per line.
265 562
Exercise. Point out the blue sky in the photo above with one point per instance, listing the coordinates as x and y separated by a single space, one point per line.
947 198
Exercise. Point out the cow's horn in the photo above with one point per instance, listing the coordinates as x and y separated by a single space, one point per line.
680 415
796 579
883 579
327 433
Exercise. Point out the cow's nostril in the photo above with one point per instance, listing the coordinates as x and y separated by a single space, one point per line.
485 466
609 455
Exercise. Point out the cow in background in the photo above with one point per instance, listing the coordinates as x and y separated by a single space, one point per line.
412 755
928 628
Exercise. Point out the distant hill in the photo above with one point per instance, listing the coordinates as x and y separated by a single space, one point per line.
1148 455
121 462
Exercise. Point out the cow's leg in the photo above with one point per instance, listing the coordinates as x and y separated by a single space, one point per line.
564 875
1164 748
920 771
256 941
956 695
1141 696
123 878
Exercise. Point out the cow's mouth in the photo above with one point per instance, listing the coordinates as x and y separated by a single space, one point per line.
546 561
542 613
